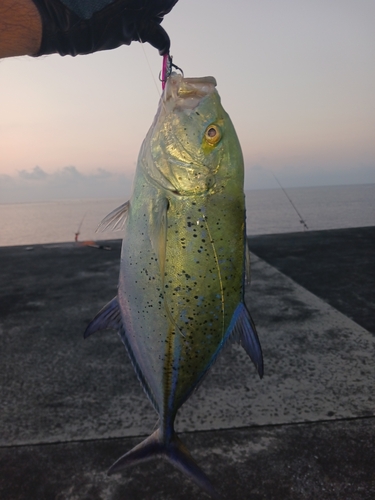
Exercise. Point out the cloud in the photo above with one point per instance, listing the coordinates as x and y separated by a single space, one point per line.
69 173
67 182
5 178
102 174
36 174
64 174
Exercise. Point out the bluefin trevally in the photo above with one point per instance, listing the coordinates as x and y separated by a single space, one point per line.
184 261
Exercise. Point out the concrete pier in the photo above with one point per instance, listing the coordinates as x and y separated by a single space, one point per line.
70 407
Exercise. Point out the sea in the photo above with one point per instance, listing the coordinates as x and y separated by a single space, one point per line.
269 211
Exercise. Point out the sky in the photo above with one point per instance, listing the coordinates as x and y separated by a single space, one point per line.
297 78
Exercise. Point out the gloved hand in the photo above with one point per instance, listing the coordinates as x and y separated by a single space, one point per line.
84 26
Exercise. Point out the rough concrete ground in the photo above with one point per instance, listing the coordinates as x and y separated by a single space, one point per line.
336 265
70 407
325 460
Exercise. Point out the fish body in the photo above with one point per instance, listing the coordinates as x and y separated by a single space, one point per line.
181 286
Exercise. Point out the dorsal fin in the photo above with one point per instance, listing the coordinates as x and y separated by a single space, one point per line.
115 220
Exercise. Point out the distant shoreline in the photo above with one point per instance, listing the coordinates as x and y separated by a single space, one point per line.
271 211
73 244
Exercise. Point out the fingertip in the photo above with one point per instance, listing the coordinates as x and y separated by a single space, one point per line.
156 36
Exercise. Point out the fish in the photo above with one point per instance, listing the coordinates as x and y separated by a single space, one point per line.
184 262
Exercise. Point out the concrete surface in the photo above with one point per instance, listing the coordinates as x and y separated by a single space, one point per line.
336 265
70 407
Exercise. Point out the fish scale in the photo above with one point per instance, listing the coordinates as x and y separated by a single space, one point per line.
181 286
206 282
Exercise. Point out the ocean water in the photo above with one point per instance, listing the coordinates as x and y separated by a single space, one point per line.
269 211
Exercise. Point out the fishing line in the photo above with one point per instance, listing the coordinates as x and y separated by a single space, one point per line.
168 312
301 219
219 274
158 89
78 232
170 317
149 67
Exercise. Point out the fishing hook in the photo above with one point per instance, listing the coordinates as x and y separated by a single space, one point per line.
167 69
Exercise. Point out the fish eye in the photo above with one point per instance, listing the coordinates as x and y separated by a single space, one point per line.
212 134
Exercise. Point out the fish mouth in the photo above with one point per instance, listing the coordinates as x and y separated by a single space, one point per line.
188 92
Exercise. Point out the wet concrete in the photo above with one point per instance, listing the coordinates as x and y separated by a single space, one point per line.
70 407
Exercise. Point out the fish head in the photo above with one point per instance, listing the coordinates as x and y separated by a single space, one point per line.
192 147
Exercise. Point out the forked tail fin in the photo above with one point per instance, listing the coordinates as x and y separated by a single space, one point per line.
174 451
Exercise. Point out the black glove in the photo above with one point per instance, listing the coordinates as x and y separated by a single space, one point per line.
84 26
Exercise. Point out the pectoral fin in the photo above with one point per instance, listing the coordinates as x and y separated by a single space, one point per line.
110 317
244 332
115 220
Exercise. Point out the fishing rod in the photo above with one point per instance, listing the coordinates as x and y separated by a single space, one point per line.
301 219
77 233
